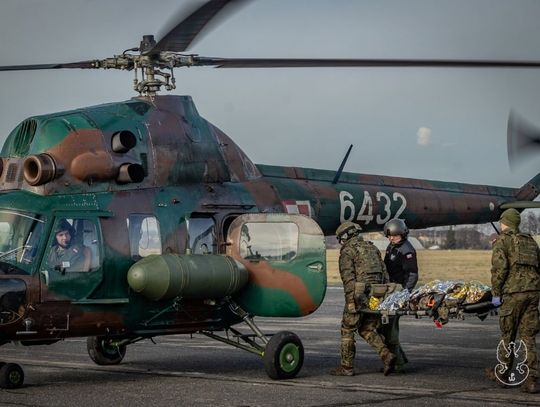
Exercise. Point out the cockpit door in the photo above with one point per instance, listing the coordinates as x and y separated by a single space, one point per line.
285 256
72 271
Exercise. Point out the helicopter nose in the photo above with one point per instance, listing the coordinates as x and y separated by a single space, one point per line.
12 296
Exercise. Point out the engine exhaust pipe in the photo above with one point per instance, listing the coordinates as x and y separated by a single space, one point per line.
39 169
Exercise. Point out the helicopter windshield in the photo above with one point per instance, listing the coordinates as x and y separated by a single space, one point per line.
20 234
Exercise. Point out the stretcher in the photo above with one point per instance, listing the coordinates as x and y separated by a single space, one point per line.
480 310
439 300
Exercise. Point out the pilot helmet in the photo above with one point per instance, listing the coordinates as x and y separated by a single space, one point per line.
347 230
396 227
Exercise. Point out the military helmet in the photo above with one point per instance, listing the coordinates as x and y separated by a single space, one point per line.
396 227
347 230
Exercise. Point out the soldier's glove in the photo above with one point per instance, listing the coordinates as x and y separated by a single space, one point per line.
496 301
362 301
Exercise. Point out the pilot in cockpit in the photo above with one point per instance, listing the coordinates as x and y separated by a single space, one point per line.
65 254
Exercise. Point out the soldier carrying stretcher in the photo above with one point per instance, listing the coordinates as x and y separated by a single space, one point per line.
360 264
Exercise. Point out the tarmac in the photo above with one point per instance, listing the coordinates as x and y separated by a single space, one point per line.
446 368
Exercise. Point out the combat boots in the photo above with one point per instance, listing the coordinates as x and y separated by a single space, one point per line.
389 360
342 371
530 386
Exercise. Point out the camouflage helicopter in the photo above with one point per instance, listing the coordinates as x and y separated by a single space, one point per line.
126 221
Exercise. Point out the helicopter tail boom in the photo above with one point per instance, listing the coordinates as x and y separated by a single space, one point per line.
372 200
530 190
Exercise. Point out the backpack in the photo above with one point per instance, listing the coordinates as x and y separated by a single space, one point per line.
369 263
524 251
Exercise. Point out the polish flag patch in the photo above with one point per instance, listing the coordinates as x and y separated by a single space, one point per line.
297 207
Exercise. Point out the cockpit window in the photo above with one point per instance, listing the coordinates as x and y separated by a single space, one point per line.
144 236
269 241
20 235
202 236
74 246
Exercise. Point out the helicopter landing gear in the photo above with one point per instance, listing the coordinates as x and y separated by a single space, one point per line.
105 351
11 376
282 354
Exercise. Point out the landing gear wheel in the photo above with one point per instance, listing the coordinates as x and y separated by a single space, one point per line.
11 376
103 351
283 356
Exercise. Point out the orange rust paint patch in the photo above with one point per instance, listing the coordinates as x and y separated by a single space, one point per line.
263 194
264 275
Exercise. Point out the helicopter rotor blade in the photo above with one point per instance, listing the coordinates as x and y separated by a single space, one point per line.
523 140
179 38
73 65
315 63
127 63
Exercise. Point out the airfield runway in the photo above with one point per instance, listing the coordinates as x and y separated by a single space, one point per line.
446 368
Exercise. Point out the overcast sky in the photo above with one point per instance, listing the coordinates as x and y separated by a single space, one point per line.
447 124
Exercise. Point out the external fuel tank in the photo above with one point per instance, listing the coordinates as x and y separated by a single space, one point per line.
197 276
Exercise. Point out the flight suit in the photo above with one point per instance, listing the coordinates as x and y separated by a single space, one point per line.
71 258
515 278
401 263
360 262
402 266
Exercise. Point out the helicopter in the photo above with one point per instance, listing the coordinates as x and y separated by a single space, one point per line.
130 220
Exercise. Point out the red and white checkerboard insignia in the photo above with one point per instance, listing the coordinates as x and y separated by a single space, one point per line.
298 207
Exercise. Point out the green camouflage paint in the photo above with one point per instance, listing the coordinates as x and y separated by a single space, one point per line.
189 170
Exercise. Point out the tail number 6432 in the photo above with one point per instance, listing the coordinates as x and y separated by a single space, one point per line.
365 214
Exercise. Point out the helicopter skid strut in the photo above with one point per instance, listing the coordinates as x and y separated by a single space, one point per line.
282 353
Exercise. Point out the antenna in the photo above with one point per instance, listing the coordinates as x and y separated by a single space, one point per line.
340 169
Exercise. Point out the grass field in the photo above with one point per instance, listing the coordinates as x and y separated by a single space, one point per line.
436 264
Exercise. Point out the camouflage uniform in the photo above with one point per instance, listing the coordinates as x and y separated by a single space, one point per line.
360 261
515 278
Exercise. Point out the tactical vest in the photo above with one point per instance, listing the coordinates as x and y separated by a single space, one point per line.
369 265
523 251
